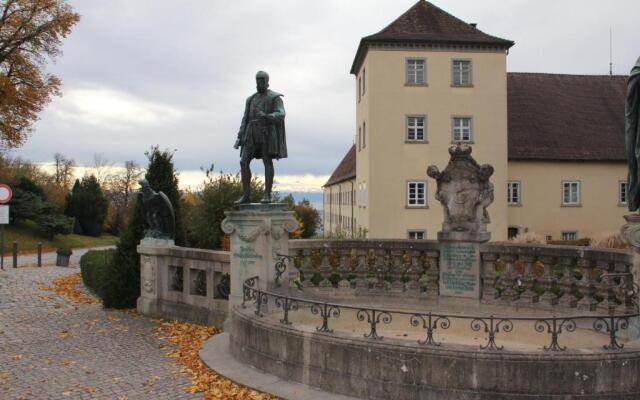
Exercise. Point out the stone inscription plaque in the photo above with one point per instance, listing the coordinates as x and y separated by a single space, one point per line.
460 269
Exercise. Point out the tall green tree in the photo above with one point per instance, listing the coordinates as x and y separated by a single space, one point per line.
88 204
121 283
162 177
120 287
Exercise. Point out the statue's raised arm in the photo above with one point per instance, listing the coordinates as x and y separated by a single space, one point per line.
632 137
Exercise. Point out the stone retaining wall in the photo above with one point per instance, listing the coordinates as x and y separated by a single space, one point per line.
392 369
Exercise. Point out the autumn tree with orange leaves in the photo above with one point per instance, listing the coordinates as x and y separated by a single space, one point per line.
31 33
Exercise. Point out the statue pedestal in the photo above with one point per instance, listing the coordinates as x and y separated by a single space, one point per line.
630 232
258 233
460 263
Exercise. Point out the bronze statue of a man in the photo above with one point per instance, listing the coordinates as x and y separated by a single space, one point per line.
632 137
261 135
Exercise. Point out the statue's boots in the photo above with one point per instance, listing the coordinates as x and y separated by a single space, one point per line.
243 200
246 184
267 198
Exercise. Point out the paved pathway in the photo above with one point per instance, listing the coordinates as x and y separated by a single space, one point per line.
51 349
48 258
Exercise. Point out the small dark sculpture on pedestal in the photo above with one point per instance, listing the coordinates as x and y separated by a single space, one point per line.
464 191
158 213
261 135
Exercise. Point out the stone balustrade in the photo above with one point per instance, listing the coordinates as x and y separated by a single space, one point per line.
183 283
191 284
582 278
362 267
541 276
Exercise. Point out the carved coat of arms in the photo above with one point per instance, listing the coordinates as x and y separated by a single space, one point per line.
464 191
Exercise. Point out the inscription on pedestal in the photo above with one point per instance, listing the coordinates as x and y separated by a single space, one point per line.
247 254
460 269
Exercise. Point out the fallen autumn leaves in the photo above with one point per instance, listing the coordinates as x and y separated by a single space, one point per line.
67 287
189 339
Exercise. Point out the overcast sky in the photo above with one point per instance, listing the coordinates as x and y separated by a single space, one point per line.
176 73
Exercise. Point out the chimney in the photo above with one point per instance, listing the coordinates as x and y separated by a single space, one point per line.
474 25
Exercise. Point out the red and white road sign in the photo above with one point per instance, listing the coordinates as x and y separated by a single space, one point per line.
5 193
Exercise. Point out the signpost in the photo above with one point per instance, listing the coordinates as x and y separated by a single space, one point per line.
5 196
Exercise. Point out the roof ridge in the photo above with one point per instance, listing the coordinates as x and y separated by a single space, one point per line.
559 74
394 21
426 23
346 168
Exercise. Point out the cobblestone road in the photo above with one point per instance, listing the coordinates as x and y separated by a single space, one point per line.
51 349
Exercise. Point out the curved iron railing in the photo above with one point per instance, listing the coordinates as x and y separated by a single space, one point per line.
554 326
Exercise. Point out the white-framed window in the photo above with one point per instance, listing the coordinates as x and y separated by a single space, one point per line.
548 238
416 194
359 88
623 193
462 129
569 235
359 138
416 128
571 193
416 235
364 134
513 193
416 71
461 73
362 188
364 81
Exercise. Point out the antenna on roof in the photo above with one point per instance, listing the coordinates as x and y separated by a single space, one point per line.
610 52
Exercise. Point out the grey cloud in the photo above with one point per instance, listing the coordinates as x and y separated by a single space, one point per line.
200 57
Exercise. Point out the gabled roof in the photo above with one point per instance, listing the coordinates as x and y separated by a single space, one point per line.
346 169
426 23
566 117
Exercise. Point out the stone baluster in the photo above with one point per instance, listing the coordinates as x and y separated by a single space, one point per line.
605 289
587 286
508 279
566 283
325 264
547 281
433 272
528 296
488 275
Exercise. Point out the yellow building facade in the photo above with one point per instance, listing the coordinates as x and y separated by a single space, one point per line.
428 81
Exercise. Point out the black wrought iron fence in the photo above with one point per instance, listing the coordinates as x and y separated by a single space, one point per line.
434 323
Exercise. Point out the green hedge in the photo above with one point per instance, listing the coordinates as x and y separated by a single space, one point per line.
112 277
94 266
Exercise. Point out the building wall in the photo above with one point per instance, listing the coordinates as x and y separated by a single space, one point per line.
363 153
541 209
387 162
340 210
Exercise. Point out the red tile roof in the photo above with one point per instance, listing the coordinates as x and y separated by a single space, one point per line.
553 117
566 117
426 23
346 169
